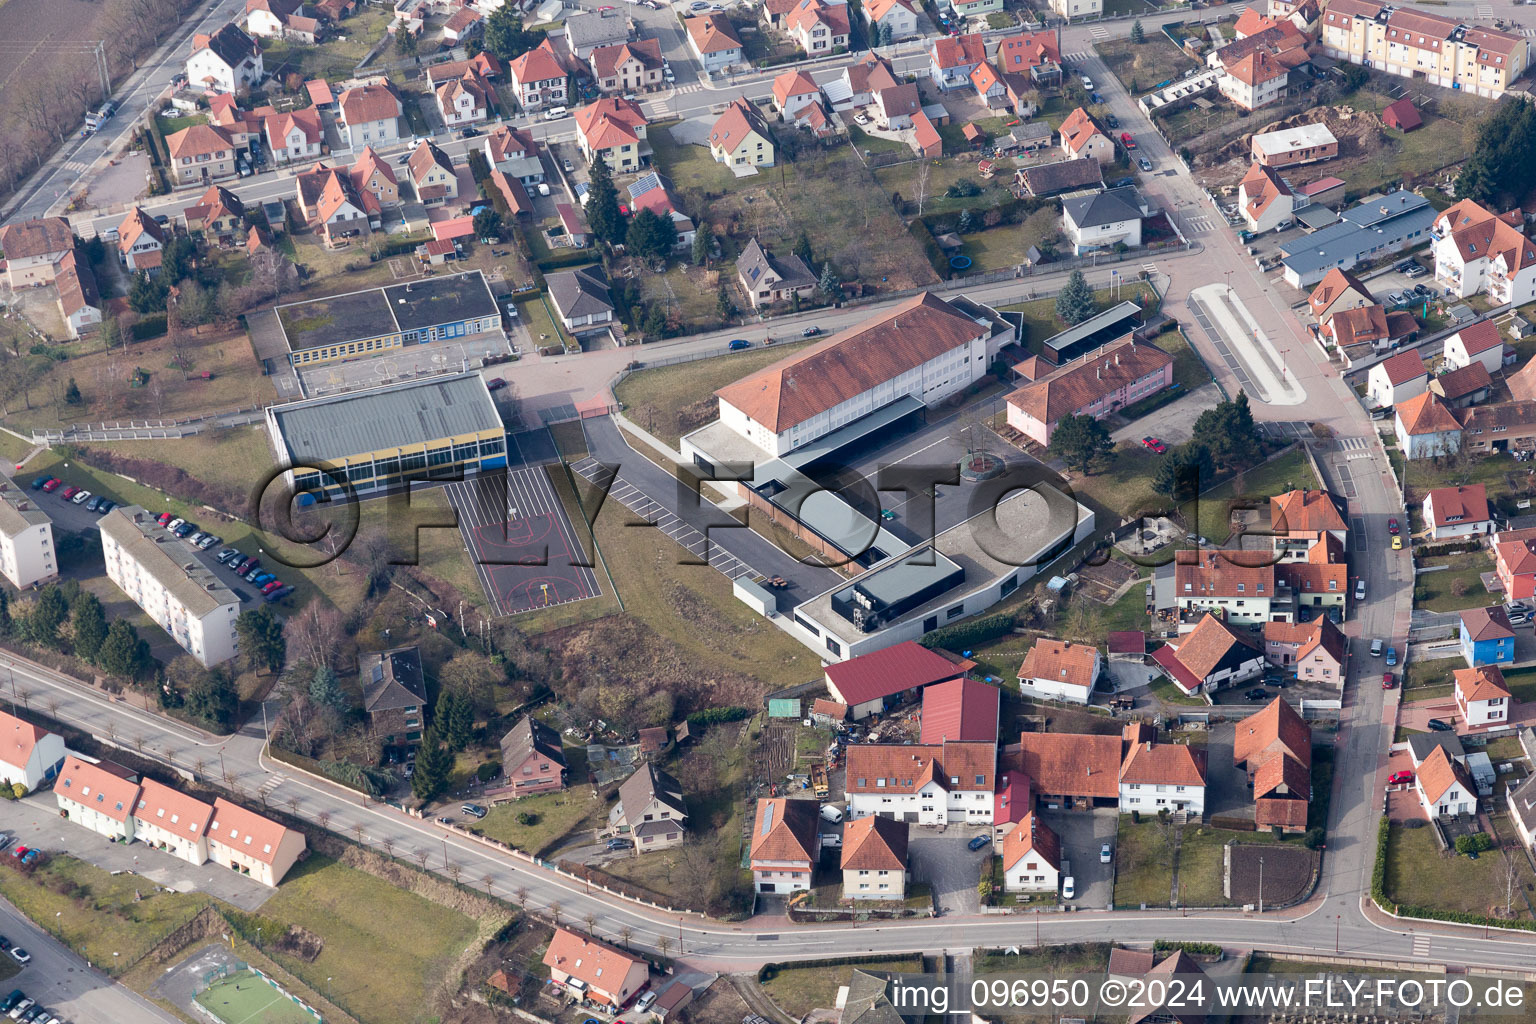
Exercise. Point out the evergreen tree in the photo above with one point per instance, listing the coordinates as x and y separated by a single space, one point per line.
89 626
829 285
651 236
803 250
603 204
505 36
325 690
703 245
723 301
1138 34
110 333
46 616
147 294
487 224
461 724
1081 442
433 766
885 34
72 392
119 654
405 42
261 638
966 224
656 321
211 699
176 259
1184 471
1075 302
1230 433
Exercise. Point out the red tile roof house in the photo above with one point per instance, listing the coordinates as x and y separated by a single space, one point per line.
817 26
1096 385
1514 560
370 115
34 248
140 241
1467 386
1275 748
1477 250
1457 512
594 972
251 845
1396 378
1129 645
785 845
1061 670
875 859
1426 428
868 683
95 798
170 820
334 207
1011 801
960 709
627 67
1031 857
29 754
1339 289
1122 771
1082 135
294 136
1155 777
1444 786
932 784
1482 696
793 91
1481 342
951 59
200 154
1211 656
714 41
538 78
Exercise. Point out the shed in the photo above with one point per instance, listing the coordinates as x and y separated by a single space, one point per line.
784 707
1127 645
1402 115
971 133
455 227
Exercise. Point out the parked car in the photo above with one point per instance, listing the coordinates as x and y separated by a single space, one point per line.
1388 681
263 578
174 524
737 344
208 541
469 133
38 483
643 1004
1391 655
165 517
978 842
20 1006
94 503
1256 693
1144 163
184 529
1400 778
1106 854
495 384
810 332
250 577
620 844
1069 888
1397 543
246 566
106 506
278 594
1154 444
81 496
20 955
473 810
555 114
52 485
225 555
196 538
1360 590
1439 725
68 493
1393 527
16 996
861 118
1112 121
831 813
1127 141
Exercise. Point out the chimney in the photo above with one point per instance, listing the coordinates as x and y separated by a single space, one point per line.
1149 746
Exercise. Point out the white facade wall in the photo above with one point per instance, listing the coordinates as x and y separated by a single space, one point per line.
28 557
874 884
210 638
42 765
1104 235
1494 711
780 876
373 133
1239 610
932 805
1382 393
1455 800
1149 798
177 843
1055 689
1031 873
89 817
1456 355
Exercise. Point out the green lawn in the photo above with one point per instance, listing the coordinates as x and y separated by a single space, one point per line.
1165 691
655 398
799 990
904 178
1429 680
555 816
1008 245
1456 587
1041 321
103 920
1143 865
537 316
1257 485
336 55
172 125
1201 862
1423 475
691 166
1522 685
13 448
383 948
232 458
1073 958
1420 875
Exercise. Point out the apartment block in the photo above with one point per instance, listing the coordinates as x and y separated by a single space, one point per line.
160 573
26 538
1417 44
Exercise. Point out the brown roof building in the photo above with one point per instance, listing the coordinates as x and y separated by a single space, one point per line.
1111 378
784 844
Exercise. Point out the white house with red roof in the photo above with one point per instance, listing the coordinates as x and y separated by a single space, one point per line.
1426 427
170 820
594 972
1457 512
1161 776
250 844
93 797
1482 696
900 15
1070 9
140 241
930 783
369 115
714 41
1265 199
294 136
1061 670
874 859
741 136
951 59
224 61
1481 342
793 90
785 845
1083 136
960 709
868 682
29 754
1478 251
613 129
1396 378
1445 786
817 26
538 78
1031 856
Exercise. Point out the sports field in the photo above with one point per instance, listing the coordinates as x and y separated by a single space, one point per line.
246 999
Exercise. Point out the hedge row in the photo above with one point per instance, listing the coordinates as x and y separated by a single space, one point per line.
719 716
936 258
1012 210
1196 948
771 970
1452 548
1379 894
971 633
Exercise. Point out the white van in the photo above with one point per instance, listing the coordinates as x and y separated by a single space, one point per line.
831 813
554 113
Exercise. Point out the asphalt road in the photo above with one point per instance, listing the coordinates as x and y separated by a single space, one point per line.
63 982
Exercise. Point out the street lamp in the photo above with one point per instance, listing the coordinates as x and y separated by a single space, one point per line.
1261 885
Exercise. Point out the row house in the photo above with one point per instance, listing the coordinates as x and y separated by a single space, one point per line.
1480 252
1299 518
1417 44
373 175
931 784
1131 771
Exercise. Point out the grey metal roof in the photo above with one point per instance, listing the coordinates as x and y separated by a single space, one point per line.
1113 323
1376 224
397 415
18 512
1421 743
580 292
161 555
1317 217
1107 207
592 29
893 583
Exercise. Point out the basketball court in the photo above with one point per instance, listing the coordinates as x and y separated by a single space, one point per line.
527 553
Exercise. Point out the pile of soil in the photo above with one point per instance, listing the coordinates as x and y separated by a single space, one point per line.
1360 133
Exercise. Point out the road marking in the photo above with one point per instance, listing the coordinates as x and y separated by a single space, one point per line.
1421 945
1240 10
1352 444
1528 32
1099 32
1075 57
1485 11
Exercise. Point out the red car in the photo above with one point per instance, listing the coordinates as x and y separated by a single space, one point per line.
271 586
1393 527
1400 779
495 384
69 492
165 517
1127 141
1154 444
52 485
1388 681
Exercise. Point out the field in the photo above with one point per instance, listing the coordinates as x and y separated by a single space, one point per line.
1429 680
336 55
1142 68
555 816
798 990
903 178
245 998
365 966
657 398
1008 245
827 194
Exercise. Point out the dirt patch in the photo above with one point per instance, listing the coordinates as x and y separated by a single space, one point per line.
1361 134
300 942
1287 873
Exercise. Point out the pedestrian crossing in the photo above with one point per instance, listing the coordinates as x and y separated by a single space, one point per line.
1485 11
1240 9
1529 33
1353 444
1199 225
1077 58
1099 32
1421 945
692 87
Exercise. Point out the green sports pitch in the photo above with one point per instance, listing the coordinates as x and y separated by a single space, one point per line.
245 998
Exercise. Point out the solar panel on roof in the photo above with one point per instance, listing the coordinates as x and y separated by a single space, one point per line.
767 819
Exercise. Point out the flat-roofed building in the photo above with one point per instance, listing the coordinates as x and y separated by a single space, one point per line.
27 554
1288 147
160 573
440 428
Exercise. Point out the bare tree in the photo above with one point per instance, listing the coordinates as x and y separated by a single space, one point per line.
52 704
920 186
388 844
591 922
1509 874
521 895
663 945
138 743
357 831
626 935
421 858
554 912
324 818
454 872
489 881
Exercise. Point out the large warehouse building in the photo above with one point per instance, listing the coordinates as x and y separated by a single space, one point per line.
372 440
370 322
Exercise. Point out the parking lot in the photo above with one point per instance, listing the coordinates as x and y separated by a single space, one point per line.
1081 834
1174 423
943 860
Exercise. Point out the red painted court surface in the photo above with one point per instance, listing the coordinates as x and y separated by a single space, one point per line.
526 551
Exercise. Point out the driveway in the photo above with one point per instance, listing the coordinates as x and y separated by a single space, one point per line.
1081 834
942 860
1174 422
1226 789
